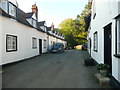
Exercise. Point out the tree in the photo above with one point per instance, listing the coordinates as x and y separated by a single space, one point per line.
74 30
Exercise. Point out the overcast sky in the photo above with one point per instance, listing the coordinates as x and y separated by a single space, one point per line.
54 11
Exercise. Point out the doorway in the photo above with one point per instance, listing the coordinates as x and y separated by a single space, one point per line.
107 46
40 46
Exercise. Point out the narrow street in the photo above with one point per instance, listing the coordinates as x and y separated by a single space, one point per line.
60 70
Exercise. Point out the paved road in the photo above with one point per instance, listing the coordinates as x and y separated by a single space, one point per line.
63 70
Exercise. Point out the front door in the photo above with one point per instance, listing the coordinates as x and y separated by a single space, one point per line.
107 46
40 46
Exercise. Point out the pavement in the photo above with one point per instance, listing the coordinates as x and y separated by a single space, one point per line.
52 70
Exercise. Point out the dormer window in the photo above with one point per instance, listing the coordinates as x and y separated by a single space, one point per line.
12 10
8 7
4 6
34 23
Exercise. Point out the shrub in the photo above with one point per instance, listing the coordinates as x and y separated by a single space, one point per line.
102 66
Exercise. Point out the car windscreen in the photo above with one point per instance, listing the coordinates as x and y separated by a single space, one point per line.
57 44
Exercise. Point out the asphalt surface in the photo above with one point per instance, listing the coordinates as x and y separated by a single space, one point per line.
60 70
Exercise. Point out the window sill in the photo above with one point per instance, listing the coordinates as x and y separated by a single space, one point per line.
117 55
11 50
34 48
95 50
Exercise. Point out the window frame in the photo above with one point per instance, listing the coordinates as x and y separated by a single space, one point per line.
33 23
117 43
9 3
7 49
89 43
45 43
95 42
34 43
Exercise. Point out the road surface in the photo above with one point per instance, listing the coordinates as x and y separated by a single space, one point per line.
60 70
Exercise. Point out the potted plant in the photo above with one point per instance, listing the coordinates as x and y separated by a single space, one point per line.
103 69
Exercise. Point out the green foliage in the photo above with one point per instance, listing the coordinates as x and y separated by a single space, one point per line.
74 30
102 66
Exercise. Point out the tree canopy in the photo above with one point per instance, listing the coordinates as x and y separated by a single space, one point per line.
74 30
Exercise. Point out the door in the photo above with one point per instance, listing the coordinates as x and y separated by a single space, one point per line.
90 45
107 46
40 46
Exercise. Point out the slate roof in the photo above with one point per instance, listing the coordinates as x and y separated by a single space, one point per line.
117 16
3 13
29 15
21 18
41 23
48 28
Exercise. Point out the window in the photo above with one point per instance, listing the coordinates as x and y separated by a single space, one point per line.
11 43
4 6
118 37
95 41
34 22
12 10
117 43
45 43
89 43
34 43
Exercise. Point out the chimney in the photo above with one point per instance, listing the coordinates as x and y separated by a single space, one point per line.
35 10
52 27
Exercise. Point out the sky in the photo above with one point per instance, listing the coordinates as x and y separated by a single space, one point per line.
54 11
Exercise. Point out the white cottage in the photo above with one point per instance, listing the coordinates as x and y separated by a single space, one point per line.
104 35
21 36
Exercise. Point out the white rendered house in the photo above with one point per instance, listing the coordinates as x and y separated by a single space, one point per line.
104 35
21 37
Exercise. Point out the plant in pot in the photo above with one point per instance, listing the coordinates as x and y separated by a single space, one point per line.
103 69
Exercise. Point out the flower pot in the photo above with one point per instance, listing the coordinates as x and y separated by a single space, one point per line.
103 73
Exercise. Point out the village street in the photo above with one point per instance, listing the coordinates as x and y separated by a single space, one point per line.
60 70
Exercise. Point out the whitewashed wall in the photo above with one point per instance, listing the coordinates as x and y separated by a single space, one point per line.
44 50
105 12
24 36
51 39
0 40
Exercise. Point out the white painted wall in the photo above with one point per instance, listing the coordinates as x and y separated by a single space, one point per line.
24 35
0 40
105 12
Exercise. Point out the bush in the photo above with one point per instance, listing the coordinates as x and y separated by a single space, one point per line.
102 66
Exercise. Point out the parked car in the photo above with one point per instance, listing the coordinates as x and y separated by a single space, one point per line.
84 46
58 47
67 47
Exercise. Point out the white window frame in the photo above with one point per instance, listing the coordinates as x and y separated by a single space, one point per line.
12 9
89 43
4 6
11 43
95 41
34 43
45 43
118 36
34 23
